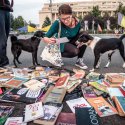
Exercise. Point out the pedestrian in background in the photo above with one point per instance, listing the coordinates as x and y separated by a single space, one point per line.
5 9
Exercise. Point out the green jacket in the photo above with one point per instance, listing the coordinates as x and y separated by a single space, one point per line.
65 32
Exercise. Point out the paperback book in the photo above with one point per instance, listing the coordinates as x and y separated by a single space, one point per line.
34 84
5 111
23 95
15 121
54 95
102 107
66 119
88 92
15 82
79 102
51 112
120 105
88 116
33 111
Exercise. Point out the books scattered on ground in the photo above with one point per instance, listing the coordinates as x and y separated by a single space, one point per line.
79 102
23 95
5 111
102 107
15 121
33 111
88 116
51 112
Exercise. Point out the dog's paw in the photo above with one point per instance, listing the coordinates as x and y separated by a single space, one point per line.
92 70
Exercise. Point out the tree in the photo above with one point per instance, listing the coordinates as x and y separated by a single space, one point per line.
96 12
47 22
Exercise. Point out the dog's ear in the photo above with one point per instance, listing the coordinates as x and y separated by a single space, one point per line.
89 37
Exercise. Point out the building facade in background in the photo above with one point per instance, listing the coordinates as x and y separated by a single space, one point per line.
80 8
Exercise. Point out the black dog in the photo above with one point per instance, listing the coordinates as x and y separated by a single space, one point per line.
101 45
29 45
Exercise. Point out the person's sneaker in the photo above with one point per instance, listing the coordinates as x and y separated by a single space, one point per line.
80 64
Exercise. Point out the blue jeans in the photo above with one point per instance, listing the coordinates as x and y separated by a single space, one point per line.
4 33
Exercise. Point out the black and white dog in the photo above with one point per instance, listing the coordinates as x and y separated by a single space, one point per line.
102 45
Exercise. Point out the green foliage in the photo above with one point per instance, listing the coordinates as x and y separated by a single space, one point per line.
17 22
47 22
121 9
95 12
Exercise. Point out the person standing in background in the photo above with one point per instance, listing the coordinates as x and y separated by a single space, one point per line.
5 9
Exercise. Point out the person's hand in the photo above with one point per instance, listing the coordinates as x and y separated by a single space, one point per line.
49 40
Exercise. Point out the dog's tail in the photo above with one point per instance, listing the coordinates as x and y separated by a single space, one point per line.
122 37
13 39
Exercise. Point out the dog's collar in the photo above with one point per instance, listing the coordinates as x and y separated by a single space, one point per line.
37 37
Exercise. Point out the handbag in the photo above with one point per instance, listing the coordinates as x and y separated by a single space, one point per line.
52 53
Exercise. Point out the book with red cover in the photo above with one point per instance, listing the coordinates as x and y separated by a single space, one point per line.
1 91
102 107
66 119
62 82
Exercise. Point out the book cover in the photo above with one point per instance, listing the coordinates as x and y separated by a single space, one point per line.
71 83
120 105
79 102
5 111
51 113
73 86
1 92
114 92
77 76
23 95
5 76
21 73
88 116
98 86
115 78
34 84
122 91
54 94
102 107
66 119
88 92
33 111
15 121
62 82
15 82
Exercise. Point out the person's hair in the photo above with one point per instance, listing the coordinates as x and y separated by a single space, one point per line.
65 9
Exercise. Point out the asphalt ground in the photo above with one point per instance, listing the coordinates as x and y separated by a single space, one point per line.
26 58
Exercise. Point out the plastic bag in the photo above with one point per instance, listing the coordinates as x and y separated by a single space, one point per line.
52 54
